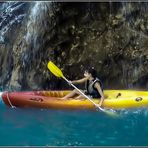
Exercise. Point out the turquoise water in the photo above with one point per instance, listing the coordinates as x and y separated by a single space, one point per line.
37 127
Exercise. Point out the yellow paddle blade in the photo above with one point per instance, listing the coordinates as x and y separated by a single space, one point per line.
54 69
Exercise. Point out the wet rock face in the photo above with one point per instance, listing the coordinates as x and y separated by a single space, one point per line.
112 37
12 15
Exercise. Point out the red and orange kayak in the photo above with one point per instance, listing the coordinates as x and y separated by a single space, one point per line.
115 99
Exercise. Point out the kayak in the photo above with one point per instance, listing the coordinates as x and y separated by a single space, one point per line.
114 99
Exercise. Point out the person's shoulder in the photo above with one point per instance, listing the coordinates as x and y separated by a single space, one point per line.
96 84
97 79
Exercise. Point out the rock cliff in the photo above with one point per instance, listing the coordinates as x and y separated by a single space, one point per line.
112 37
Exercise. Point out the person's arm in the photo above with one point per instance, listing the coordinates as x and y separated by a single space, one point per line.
97 86
79 81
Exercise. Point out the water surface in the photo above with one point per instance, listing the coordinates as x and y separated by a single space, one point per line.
38 127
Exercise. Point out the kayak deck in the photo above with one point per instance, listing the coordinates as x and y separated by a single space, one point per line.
115 99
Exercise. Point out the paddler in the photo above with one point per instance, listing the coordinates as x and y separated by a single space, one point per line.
93 85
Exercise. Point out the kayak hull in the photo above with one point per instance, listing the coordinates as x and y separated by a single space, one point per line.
115 99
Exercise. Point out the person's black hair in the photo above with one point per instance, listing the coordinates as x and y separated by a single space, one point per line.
92 71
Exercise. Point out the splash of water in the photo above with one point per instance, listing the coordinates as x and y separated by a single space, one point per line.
1 101
1 94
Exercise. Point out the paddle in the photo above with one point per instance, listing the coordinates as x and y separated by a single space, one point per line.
58 73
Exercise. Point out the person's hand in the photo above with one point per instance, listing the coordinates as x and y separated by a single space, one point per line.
70 82
99 105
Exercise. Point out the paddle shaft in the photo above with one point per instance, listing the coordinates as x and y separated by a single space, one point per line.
83 94
58 73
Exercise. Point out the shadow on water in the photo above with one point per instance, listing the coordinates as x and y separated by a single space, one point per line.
28 127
